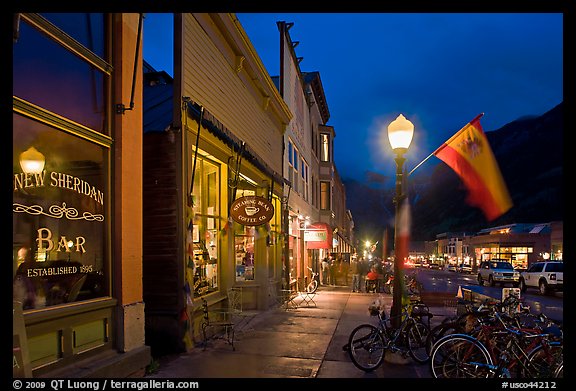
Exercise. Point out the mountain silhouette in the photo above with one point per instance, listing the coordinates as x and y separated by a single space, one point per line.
529 152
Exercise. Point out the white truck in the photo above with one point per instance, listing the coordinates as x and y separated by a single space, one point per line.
545 276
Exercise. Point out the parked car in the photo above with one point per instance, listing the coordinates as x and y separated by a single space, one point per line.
462 268
498 271
451 268
435 266
546 276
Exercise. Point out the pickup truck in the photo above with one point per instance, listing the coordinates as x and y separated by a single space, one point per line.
545 276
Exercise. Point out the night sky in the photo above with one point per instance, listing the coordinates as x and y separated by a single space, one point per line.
439 70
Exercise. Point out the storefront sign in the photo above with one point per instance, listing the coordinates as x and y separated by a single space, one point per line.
318 235
24 181
315 236
252 210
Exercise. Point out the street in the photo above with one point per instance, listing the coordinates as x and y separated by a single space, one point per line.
445 281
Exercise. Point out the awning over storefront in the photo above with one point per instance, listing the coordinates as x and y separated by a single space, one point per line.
318 235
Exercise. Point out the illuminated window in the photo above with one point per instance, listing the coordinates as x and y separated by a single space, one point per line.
59 217
203 226
325 195
324 147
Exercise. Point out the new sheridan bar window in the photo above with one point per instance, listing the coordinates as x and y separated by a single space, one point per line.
59 226
61 158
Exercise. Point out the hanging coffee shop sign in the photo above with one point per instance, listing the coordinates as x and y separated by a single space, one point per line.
252 210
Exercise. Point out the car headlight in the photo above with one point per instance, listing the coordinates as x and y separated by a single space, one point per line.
552 276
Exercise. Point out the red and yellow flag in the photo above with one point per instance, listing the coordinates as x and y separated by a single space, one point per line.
469 154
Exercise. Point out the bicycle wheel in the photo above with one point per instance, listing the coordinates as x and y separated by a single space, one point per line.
460 356
366 347
417 335
312 286
545 361
440 331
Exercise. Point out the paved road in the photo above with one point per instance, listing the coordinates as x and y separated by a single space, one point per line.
440 280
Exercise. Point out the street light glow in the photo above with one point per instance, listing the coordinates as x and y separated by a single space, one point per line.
400 133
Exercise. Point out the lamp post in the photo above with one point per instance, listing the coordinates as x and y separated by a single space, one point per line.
400 132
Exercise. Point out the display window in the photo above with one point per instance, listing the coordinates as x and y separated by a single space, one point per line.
244 248
60 199
203 228
244 239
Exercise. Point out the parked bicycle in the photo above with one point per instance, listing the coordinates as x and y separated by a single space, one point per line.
411 284
368 343
501 347
314 281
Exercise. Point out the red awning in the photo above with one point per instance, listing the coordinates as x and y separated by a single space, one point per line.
318 235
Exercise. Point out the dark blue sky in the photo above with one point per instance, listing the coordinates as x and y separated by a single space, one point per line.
438 69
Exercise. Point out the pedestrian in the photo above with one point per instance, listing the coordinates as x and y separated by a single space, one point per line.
363 270
325 271
334 269
344 269
355 271
372 280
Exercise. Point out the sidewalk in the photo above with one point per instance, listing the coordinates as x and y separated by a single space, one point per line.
300 343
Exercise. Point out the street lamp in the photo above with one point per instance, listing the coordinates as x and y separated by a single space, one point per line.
32 161
400 132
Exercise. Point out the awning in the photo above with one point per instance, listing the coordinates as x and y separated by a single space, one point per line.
318 235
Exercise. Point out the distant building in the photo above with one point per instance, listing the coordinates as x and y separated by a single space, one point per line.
520 244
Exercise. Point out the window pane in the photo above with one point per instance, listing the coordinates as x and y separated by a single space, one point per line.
86 28
244 249
50 76
295 159
59 227
325 148
324 195
203 225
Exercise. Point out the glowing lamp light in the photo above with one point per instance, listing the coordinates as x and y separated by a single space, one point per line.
400 133
32 161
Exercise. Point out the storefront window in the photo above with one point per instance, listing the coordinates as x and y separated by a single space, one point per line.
244 247
244 240
203 227
48 75
60 198
86 28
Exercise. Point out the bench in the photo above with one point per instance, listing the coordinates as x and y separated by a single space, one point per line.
217 322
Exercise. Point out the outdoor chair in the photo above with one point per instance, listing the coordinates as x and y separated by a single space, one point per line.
218 324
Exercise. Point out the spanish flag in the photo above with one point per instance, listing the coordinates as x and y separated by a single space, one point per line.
469 154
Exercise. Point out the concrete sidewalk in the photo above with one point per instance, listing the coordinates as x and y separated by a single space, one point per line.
305 342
